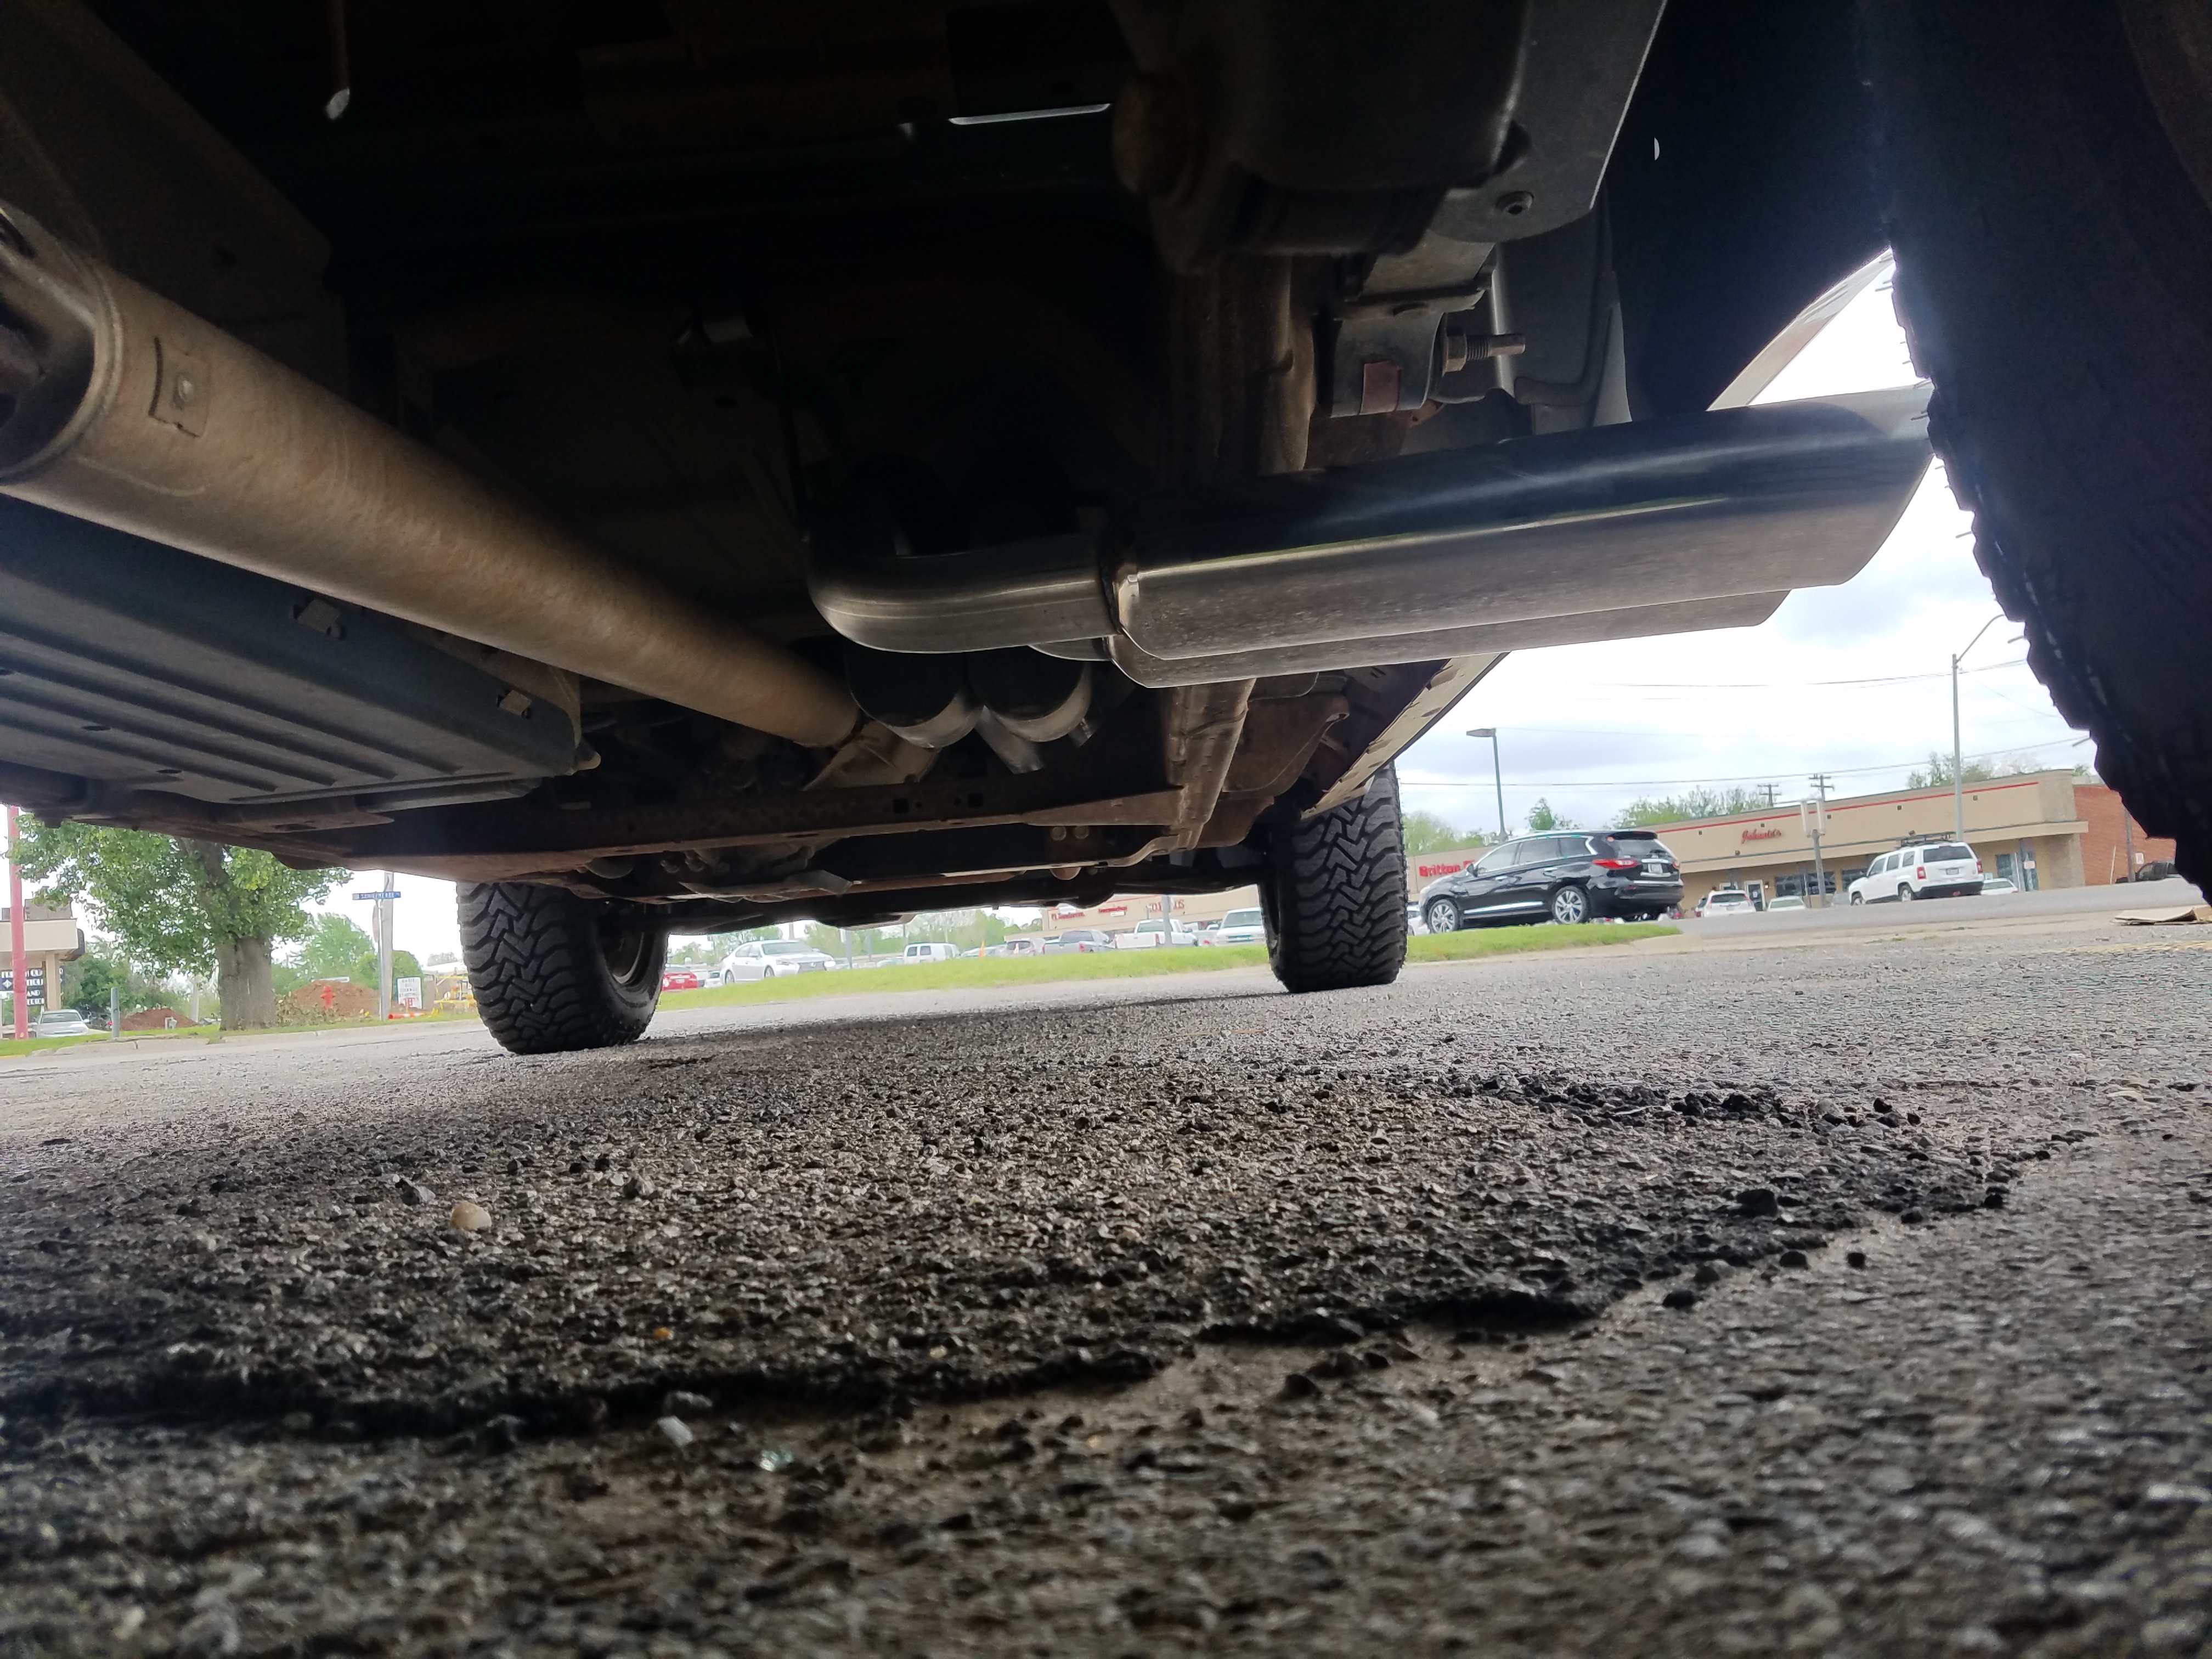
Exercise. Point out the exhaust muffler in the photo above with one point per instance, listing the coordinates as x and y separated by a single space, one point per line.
1628 523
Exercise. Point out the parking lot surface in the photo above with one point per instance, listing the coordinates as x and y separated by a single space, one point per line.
1843 1292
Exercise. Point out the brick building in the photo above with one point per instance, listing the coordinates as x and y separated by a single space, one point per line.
2037 830
2114 843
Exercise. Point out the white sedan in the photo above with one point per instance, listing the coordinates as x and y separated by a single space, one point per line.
771 959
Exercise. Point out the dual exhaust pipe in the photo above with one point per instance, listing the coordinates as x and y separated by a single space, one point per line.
1017 700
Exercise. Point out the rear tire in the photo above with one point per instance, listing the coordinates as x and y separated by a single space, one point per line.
1904 892
550 975
1442 916
1570 906
2055 271
1335 894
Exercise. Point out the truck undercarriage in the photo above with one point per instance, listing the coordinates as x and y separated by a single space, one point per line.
712 466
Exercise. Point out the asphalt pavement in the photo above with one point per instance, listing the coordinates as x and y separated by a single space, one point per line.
1839 1289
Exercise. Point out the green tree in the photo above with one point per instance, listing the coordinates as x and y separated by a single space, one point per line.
332 945
404 966
179 905
87 982
1697 803
1542 819
1427 833
1938 771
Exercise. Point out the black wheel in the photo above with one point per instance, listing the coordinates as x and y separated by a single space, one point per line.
2048 177
1858 898
1335 894
550 974
1570 906
1442 916
1904 892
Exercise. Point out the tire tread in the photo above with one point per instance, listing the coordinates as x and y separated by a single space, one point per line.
1336 894
542 981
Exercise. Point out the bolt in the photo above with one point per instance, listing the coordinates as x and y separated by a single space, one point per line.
185 390
1515 202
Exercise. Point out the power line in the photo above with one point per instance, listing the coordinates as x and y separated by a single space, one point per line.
1785 686
1673 731
1667 783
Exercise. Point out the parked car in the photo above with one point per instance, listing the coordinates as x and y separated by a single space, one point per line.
1413 923
1944 869
1726 901
1076 941
2156 870
1997 887
922 954
1566 878
771 959
1155 934
59 1023
680 979
1242 927
1790 902
1019 947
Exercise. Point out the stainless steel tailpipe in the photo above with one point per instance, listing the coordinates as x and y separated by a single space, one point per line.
1623 525
119 407
1016 699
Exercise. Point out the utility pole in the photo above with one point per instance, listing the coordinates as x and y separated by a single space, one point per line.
1820 805
1497 772
20 985
1772 790
1958 756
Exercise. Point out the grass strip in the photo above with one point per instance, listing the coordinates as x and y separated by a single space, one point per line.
211 1032
989 971
12 1046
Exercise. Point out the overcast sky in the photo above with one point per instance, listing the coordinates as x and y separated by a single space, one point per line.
1591 728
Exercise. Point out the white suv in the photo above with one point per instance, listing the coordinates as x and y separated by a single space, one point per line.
1942 869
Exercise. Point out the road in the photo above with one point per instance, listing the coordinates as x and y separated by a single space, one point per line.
2029 910
1841 1292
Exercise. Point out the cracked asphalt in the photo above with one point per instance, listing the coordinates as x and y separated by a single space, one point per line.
1841 1292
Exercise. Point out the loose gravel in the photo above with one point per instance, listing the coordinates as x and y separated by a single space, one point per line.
1843 1298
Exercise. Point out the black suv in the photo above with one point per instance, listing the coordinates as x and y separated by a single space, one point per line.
1569 878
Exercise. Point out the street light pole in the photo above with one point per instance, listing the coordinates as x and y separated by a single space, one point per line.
1958 754
1497 772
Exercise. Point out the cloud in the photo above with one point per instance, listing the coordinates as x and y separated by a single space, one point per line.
1852 680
